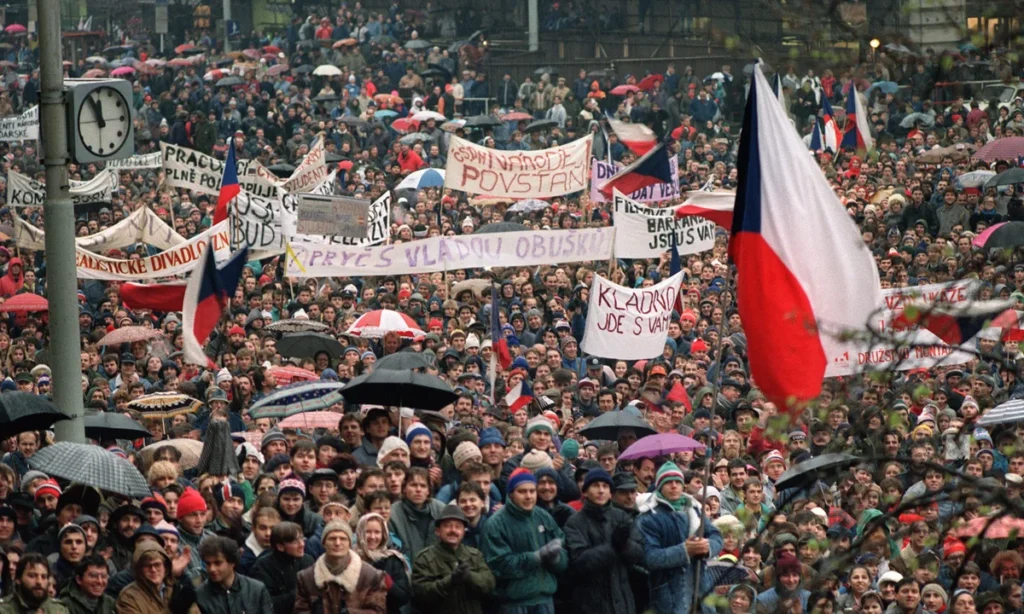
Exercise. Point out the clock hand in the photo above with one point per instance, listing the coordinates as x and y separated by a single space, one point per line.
98 110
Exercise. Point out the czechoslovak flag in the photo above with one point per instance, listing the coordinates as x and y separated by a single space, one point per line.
857 133
800 260
229 188
639 138
206 296
830 135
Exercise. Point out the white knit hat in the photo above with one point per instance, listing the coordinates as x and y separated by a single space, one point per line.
389 445
466 451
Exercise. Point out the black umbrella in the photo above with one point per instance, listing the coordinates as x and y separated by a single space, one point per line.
403 361
355 122
541 124
600 73
305 45
608 425
304 69
399 389
109 425
333 158
91 465
223 62
501 227
1006 235
723 573
383 40
307 345
218 457
454 47
483 120
119 49
230 81
418 43
807 473
327 98
281 169
1010 177
24 411
436 72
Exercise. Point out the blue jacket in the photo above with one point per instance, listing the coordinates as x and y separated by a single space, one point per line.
768 601
671 575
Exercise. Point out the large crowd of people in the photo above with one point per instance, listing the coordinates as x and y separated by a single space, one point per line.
485 508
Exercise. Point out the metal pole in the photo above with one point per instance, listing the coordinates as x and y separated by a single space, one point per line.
59 223
227 18
534 22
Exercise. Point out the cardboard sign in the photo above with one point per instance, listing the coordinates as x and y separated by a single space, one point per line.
332 215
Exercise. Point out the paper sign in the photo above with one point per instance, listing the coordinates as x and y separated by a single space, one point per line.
627 323
542 173
332 215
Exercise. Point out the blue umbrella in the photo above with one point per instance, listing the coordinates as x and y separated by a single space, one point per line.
385 114
297 398
427 178
887 87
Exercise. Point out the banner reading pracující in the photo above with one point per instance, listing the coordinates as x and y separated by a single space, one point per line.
529 248
176 261
627 323
190 169
23 191
543 173
646 232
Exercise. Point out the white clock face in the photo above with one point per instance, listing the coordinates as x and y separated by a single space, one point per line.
104 121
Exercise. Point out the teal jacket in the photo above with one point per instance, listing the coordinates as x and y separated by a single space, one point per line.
510 541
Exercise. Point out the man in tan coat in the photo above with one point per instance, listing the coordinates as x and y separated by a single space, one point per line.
340 581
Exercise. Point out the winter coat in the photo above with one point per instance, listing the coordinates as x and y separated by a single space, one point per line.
318 593
511 540
279 573
415 528
77 603
140 597
664 532
600 571
400 593
567 488
11 283
13 604
245 595
768 601
435 590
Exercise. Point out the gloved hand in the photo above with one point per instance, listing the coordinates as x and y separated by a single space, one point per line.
549 552
461 572
620 535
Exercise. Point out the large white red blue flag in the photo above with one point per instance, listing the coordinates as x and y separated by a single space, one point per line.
207 294
638 137
803 271
857 133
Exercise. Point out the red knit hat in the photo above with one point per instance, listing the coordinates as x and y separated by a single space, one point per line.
953 546
189 502
49 487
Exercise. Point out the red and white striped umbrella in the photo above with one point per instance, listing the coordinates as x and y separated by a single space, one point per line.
288 375
375 324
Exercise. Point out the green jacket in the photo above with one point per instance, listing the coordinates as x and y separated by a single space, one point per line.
511 539
13 604
77 603
434 589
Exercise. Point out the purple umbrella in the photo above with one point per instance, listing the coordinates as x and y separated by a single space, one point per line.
660 445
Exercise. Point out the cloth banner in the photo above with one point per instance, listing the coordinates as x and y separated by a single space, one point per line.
518 174
601 172
255 179
142 226
501 249
152 160
176 261
629 324
912 349
190 169
23 191
24 127
646 232
266 224
311 171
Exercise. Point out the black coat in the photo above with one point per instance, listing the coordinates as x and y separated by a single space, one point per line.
600 570
279 573
400 593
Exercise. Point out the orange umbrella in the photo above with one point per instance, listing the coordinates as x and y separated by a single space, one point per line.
345 42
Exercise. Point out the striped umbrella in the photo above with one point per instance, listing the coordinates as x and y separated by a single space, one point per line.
164 405
1007 413
92 466
311 420
377 323
298 398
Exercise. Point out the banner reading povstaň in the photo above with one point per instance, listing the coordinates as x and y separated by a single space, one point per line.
543 173
647 232
152 160
601 172
528 248
24 127
629 323
176 261
141 226
910 349
23 191
190 169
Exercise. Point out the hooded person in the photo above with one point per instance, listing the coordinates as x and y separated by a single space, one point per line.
787 587
14 279
154 590
373 545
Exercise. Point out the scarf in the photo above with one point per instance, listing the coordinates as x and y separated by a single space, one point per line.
382 551
348 579
677 505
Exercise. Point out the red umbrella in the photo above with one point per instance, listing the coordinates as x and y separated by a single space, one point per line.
622 90
405 124
374 324
25 303
15 28
252 54
94 73
123 71
516 116
180 62
1001 528
647 83
183 48
1002 149
289 375
277 69
312 420
271 49
129 334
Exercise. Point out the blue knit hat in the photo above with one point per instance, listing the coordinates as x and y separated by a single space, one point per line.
519 477
491 435
417 430
597 475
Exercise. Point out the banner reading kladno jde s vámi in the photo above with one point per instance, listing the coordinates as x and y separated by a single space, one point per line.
629 323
